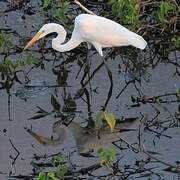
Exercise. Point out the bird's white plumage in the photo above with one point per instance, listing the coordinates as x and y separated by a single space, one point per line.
99 31
104 31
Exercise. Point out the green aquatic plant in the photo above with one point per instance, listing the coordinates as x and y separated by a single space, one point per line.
58 8
106 156
176 41
127 11
27 60
7 67
61 10
138 15
61 169
41 176
109 118
166 10
46 3
5 42
46 176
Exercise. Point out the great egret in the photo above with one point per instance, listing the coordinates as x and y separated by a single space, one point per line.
96 30
86 138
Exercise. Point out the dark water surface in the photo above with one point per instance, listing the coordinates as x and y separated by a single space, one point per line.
155 76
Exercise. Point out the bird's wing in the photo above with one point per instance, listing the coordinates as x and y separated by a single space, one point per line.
106 33
101 30
128 124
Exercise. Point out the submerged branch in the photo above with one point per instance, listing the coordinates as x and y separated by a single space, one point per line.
147 153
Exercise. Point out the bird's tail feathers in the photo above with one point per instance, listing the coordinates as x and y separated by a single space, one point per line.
137 41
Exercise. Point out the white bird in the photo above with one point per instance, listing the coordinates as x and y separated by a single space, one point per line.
96 30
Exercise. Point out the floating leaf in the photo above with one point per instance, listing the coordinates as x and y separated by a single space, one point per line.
110 118
98 119
41 176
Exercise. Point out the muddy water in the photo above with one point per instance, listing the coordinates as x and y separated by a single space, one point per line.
15 111
161 81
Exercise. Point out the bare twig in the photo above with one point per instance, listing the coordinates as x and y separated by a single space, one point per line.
84 8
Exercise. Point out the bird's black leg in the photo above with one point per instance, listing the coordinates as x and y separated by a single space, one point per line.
111 81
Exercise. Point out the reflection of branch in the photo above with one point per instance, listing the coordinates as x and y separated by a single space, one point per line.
9 106
84 8
111 84
124 88
93 73
87 69
18 153
81 92
158 133
24 176
158 99
90 168
147 153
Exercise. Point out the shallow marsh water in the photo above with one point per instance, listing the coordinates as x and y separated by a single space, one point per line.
16 110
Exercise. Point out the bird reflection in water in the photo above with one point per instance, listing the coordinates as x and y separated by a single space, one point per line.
88 139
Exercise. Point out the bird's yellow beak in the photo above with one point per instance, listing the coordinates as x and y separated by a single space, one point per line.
33 40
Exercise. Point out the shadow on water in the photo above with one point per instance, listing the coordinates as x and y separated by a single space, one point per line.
42 88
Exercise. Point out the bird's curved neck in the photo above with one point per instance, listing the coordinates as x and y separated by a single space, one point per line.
55 142
71 44
61 136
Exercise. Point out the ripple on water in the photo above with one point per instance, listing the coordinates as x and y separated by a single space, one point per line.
34 88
